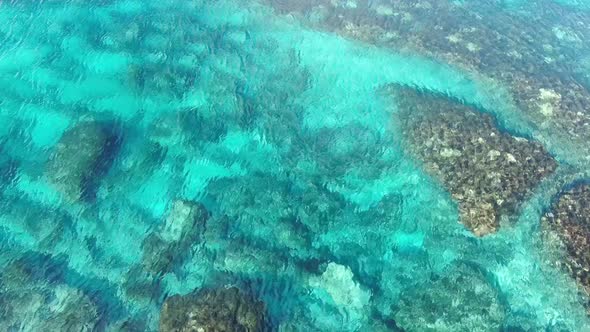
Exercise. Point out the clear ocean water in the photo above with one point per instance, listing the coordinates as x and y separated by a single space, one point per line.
294 165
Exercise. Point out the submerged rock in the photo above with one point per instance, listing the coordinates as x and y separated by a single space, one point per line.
76 159
570 219
489 172
185 127
461 299
28 303
213 310
347 294
167 246
8 172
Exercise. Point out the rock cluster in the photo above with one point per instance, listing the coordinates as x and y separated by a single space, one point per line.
488 172
213 310
570 219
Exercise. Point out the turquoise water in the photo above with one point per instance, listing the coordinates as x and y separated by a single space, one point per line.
285 136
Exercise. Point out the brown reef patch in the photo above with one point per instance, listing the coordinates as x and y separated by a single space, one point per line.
569 217
487 171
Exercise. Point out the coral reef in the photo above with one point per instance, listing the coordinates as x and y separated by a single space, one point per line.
569 217
311 202
489 172
213 310
76 159
460 299
534 60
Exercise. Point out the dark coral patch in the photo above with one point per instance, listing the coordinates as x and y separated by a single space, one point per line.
570 219
213 310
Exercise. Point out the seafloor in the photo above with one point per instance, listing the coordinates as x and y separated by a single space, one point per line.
294 165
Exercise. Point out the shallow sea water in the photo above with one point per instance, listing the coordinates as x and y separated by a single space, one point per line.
157 148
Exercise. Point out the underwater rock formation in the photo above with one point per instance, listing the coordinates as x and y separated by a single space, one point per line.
570 219
8 172
76 159
534 60
213 310
186 125
166 247
489 172
285 214
346 293
38 305
461 299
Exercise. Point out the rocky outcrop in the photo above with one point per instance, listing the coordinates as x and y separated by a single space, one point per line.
487 171
213 310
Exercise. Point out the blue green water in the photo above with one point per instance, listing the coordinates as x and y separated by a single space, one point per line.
255 116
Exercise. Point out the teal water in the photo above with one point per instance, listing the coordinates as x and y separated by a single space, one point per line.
283 133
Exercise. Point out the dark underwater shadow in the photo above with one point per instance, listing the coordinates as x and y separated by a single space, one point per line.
109 153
